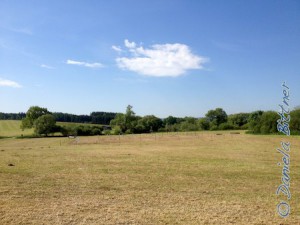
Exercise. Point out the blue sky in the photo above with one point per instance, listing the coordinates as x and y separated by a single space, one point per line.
178 58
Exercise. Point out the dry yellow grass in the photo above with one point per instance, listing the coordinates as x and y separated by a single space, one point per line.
186 178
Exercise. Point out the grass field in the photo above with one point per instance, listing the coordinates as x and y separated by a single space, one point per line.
185 178
11 128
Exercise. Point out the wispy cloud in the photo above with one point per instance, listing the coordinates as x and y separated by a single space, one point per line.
20 30
23 30
9 83
127 80
160 60
116 48
46 66
85 64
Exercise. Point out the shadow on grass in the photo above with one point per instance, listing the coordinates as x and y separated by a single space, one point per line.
37 136
3 137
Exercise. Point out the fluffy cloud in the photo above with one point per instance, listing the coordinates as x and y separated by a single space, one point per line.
9 83
90 65
129 44
160 60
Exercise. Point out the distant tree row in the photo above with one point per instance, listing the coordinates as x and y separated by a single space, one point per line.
258 122
12 116
214 120
94 118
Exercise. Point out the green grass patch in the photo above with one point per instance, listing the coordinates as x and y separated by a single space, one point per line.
11 128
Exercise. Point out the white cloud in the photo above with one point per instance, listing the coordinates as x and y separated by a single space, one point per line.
46 66
161 60
129 44
116 48
90 65
9 83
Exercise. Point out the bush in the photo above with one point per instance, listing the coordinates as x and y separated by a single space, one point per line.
68 130
203 124
245 127
227 126
106 132
81 130
188 126
116 130
161 129
96 130
140 128
172 128
213 127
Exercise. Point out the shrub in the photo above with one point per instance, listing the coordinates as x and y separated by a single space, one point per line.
227 126
161 129
106 132
203 124
213 127
116 130
95 130
68 131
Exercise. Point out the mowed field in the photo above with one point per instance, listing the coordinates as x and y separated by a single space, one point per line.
11 128
170 178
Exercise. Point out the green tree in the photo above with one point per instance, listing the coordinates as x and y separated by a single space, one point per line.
263 122
126 121
216 117
148 124
268 122
119 120
170 120
116 130
254 121
295 121
239 119
203 124
33 113
130 119
44 124
188 124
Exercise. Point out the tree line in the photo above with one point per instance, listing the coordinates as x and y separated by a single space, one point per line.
94 117
12 116
257 122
